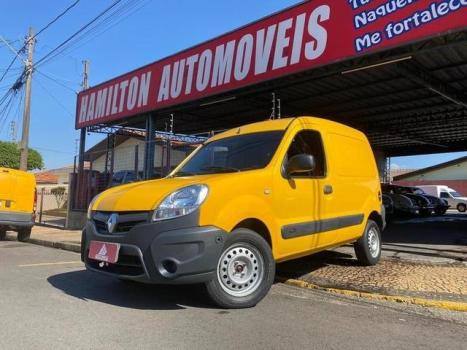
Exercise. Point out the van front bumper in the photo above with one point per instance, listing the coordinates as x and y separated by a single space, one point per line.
166 252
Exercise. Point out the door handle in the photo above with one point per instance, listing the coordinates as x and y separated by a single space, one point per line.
327 189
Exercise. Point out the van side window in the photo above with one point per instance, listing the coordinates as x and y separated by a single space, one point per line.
444 195
308 142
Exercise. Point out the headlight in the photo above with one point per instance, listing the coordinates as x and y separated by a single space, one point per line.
90 207
181 202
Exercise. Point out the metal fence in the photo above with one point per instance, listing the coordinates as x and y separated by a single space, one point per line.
120 159
52 202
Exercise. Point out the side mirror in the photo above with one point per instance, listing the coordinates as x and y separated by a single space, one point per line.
300 163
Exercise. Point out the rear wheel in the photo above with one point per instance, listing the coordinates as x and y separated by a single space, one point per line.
2 234
24 234
368 247
425 212
461 207
245 271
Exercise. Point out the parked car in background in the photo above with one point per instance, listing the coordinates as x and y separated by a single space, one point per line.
421 203
17 203
453 198
440 206
403 205
388 206
125 176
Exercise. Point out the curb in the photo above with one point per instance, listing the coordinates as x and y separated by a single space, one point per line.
71 247
441 304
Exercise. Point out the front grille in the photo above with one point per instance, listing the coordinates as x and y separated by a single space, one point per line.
125 222
128 265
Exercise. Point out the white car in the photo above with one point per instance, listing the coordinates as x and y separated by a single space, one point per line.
454 199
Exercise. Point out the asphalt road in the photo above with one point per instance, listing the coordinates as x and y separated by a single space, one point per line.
47 301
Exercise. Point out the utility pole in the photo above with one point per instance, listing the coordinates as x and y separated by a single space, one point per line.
23 164
82 138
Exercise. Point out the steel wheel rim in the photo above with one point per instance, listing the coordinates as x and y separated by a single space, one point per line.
240 270
373 242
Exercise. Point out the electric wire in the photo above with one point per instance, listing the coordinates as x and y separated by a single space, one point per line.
56 81
38 63
117 15
60 15
8 68
124 15
54 98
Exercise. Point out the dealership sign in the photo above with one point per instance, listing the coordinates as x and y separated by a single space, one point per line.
303 37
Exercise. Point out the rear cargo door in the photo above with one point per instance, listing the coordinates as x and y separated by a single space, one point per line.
8 190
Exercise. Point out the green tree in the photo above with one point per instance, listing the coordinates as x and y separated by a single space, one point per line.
10 154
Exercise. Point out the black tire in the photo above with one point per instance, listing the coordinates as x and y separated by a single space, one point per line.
246 285
440 211
461 208
425 213
24 234
2 234
368 247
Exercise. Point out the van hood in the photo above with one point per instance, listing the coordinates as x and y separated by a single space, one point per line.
143 196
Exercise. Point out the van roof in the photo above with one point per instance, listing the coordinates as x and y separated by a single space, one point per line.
14 171
283 124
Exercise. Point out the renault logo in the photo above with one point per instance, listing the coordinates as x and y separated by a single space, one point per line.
112 222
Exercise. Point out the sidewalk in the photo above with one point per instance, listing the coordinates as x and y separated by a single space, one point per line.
397 277
54 237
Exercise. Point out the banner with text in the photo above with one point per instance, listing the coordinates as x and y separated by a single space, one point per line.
303 37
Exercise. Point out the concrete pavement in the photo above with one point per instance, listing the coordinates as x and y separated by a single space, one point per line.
422 258
48 301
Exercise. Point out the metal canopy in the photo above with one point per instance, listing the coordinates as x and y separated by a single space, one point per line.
410 100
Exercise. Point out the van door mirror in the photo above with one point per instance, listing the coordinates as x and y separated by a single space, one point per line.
300 163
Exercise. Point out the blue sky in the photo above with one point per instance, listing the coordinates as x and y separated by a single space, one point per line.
158 29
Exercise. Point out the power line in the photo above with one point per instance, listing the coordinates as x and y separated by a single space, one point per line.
56 81
39 32
56 18
125 14
77 32
55 98
8 68
124 11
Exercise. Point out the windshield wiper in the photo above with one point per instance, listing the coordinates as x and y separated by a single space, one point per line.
183 173
220 169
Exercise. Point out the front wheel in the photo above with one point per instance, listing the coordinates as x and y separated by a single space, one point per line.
461 208
24 234
368 247
2 234
245 271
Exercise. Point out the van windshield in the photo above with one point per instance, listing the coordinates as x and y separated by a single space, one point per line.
455 194
233 154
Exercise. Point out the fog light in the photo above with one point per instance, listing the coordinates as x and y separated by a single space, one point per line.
170 266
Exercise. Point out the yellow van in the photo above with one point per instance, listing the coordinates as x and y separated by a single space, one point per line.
248 198
17 202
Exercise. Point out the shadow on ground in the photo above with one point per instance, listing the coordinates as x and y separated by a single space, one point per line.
299 267
449 229
87 285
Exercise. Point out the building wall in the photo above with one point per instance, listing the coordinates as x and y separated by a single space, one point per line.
124 158
459 185
453 172
49 201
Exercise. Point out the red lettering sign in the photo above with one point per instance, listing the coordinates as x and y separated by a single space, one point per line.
303 37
